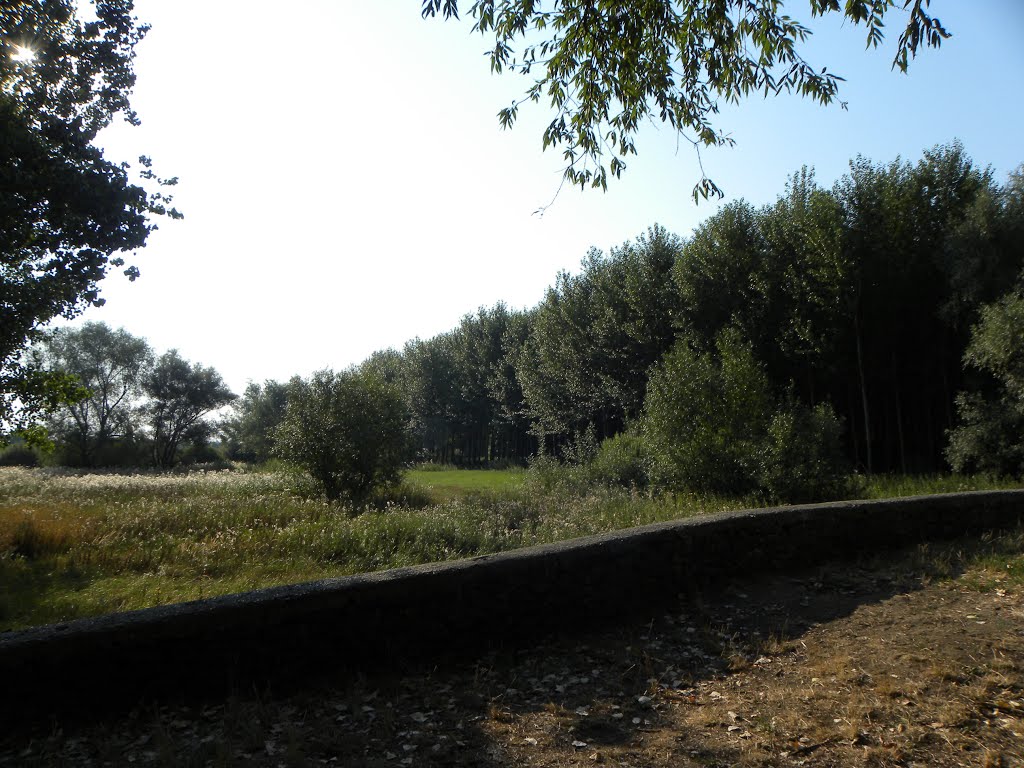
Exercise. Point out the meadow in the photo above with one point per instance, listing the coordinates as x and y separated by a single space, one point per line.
76 544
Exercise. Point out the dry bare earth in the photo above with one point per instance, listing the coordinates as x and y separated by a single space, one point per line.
852 664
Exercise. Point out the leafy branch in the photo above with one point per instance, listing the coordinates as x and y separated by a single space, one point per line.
605 65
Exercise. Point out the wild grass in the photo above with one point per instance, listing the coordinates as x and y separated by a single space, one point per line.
75 544
894 486
450 482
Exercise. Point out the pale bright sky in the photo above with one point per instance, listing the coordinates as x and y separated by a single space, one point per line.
346 186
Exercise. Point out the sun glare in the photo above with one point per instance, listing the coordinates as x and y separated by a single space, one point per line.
23 54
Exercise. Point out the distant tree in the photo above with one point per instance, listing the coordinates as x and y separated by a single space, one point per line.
476 352
605 67
778 273
432 395
66 210
721 274
907 310
465 401
180 395
983 248
388 364
805 283
111 365
489 422
515 439
595 335
257 413
347 430
862 296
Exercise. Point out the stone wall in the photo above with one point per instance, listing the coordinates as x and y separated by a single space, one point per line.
288 635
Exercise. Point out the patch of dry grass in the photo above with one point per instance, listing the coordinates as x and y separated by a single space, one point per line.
75 544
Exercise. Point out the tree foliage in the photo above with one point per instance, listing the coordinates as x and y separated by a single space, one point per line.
705 410
596 334
250 429
180 395
67 212
714 423
111 365
990 433
347 430
605 67
861 295
623 460
895 340
464 398
855 301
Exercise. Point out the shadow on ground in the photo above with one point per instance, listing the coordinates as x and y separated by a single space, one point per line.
613 697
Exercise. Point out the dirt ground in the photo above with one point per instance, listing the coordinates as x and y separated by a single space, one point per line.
853 664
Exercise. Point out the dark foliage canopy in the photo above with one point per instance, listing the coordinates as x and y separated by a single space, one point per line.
990 433
255 415
67 212
854 302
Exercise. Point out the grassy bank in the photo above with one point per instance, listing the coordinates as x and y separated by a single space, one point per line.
74 545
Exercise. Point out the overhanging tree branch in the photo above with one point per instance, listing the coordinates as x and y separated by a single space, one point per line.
607 64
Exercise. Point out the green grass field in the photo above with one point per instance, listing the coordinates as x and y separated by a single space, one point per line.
75 545
452 483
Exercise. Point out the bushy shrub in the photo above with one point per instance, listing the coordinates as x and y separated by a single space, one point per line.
990 435
712 424
347 430
802 459
123 453
546 474
202 453
581 448
622 460
989 438
18 456
433 466
704 413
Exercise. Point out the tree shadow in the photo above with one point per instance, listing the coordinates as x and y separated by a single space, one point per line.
681 654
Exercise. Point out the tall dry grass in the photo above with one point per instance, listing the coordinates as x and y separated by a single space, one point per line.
74 544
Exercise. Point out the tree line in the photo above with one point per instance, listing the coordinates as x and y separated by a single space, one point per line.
845 312
66 73
874 325
862 297
130 407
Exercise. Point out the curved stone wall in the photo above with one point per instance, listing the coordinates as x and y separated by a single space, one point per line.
290 634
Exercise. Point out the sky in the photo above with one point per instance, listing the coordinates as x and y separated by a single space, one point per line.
346 185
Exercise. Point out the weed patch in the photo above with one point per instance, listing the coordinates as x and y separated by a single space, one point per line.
75 544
